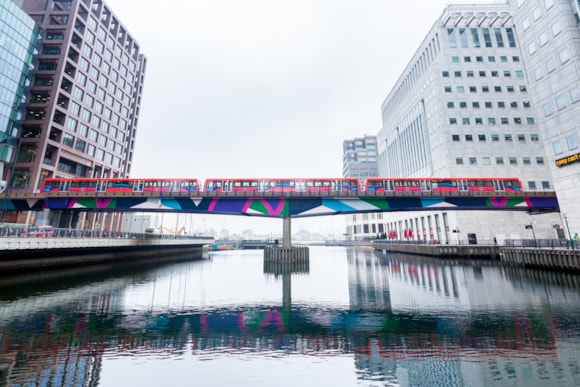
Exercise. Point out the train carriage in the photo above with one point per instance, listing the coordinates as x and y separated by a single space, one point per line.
437 185
282 185
120 185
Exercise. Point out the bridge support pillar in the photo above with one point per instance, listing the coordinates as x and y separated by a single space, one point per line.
286 252
287 232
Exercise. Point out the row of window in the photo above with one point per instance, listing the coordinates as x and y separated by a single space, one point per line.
488 104
494 137
483 73
512 160
561 101
476 38
481 59
91 150
491 120
486 89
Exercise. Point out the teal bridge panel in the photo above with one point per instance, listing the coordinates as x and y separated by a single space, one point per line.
284 206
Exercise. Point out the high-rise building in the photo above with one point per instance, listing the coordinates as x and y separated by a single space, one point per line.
82 112
360 160
19 42
549 37
463 107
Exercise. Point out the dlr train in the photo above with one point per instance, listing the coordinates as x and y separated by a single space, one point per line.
324 186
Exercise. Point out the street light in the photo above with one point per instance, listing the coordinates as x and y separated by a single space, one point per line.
569 234
6 142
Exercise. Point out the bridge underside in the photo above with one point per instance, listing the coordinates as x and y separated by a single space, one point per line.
286 206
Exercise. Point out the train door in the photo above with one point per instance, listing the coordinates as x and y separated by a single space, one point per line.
174 186
138 186
462 185
102 185
64 186
425 185
498 185
227 185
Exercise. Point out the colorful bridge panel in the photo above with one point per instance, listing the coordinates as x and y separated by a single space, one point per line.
294 207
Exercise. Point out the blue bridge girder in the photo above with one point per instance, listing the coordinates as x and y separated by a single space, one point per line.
280 205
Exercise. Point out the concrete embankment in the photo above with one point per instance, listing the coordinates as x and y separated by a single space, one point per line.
565 259
33 254
542 258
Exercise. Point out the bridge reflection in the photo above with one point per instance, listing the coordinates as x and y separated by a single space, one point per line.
60 335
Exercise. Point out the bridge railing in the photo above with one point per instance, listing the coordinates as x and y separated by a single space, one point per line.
30 231
21 193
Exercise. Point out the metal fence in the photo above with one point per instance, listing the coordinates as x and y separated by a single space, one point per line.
543 243
29 231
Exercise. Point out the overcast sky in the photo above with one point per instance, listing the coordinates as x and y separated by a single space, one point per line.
265 88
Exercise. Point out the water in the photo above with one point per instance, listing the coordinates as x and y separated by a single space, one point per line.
348 318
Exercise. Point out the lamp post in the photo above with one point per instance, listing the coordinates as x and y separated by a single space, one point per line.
7 142
569 234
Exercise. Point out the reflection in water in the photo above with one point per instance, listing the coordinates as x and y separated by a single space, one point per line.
403 321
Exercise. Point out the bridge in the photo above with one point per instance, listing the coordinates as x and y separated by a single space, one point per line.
279 205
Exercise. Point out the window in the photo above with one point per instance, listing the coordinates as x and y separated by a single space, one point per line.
463 105
468 137
557 147
543 39
473 161
451 38
488 105
548 108
475 37
574 94
465 121
497 89
563 55
532 185
479 59
453 121
491 120
445 74
515 58
455 59
513 160
545 184
521 137
486 161
530 120
501 104
560 102
491 59
499 160
537 13
539 160
507 137
550 65
495 137
447 89
498 37
494 73
459 160
532 48
472 89
481 137
478 121
475 105
455 137
504 121
482 73
485 89
534 137
519 73
457 74
460 89
469 74
526 104
526 160
486 37
514 104
450 105
556 28
511 37
517 120
571 141
510 89
467 59
68 140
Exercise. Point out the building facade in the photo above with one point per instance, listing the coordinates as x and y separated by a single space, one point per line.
82 113
549 36
360 160
19 42
464 107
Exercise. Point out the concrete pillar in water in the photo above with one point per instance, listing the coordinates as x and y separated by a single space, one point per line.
286 232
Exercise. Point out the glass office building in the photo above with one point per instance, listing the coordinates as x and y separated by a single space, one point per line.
19 40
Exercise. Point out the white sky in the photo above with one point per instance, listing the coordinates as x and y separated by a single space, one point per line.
265 88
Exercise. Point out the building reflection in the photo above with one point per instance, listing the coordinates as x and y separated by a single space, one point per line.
407 323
